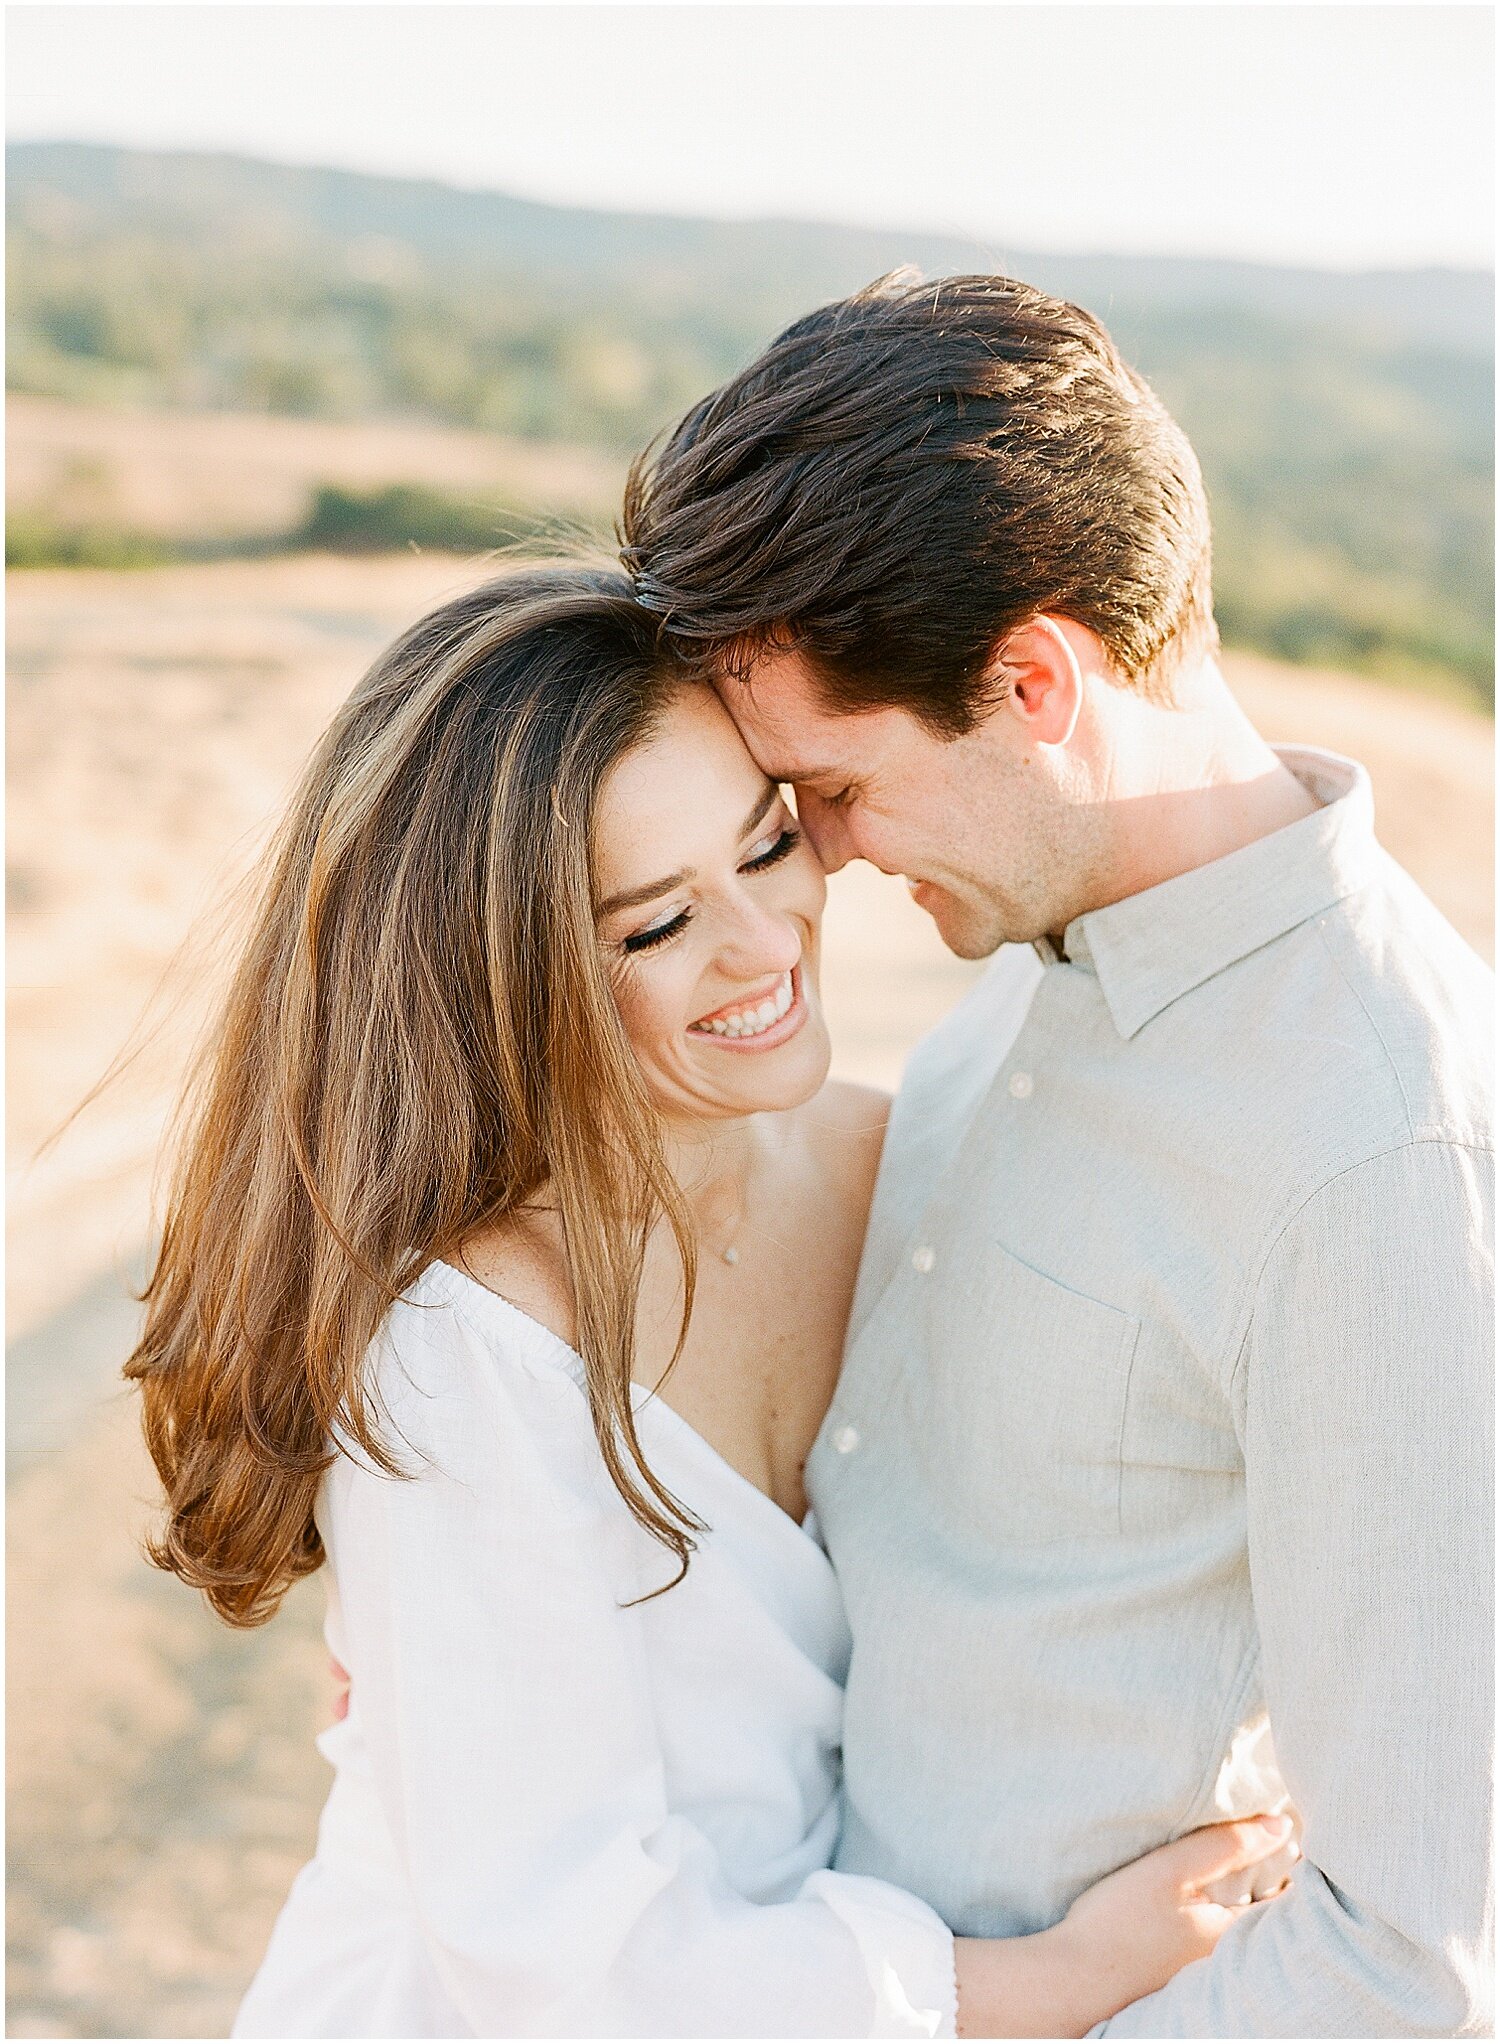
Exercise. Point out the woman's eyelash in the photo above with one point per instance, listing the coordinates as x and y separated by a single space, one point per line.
646 940
785 844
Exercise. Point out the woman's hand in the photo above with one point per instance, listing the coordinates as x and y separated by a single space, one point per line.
1124 1937
1268 1876
1133 1930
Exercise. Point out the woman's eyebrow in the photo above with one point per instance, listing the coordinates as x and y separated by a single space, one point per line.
635 897
772 790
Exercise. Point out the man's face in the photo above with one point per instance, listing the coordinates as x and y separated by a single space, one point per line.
980 826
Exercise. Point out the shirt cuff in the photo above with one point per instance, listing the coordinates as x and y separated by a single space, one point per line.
907 1951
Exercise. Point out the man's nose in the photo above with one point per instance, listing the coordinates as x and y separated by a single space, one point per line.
826 830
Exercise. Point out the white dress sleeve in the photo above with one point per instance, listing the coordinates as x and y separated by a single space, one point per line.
506 1705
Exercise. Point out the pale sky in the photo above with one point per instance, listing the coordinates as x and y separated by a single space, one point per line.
1345 135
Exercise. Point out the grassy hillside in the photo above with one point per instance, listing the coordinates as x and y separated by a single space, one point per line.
1345 422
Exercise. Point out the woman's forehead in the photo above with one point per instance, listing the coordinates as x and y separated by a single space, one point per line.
678 797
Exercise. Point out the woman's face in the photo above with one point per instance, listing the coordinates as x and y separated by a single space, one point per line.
710 908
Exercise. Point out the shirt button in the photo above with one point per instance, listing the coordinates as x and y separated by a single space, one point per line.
1020 1085
846 1440
923 1259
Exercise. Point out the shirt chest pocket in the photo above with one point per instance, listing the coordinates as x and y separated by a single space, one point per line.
1021 1403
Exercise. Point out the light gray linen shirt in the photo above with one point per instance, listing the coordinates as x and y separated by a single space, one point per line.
1167 1406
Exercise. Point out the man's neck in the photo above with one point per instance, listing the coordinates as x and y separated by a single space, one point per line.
1198 786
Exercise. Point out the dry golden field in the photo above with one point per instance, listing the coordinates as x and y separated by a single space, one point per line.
163 1783
209 475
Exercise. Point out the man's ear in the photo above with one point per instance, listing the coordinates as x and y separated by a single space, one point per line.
1044 677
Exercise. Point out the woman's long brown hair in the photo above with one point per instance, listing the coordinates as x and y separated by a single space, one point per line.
420 1035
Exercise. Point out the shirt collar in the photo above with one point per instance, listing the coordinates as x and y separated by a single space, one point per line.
1151 948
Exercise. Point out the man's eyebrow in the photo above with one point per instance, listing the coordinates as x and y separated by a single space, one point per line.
635 897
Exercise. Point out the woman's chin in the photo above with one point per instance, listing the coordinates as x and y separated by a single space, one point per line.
802 1077
729 1082
785 1079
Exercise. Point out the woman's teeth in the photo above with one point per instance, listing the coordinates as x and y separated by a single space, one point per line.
749 1021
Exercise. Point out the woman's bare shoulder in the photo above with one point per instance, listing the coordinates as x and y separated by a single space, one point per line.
521 1259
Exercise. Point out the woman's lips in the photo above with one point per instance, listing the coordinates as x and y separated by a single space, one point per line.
770 1037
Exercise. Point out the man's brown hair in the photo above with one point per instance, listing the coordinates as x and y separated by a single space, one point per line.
907 475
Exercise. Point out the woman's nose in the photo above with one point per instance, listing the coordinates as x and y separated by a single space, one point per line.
760 941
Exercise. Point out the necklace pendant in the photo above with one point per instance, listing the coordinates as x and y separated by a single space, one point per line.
730 1255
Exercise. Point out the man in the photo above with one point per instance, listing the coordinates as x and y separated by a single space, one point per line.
1167 1402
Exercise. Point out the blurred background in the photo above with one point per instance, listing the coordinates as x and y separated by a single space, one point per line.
310 310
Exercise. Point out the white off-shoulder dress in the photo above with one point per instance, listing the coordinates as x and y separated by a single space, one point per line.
556 1812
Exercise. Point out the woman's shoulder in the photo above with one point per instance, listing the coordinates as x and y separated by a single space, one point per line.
477 1410
452 1355
521 1260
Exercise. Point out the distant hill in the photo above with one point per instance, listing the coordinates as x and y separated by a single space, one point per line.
783 266
1345 421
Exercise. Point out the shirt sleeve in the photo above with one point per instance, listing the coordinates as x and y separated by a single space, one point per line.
505 1700
1367 1430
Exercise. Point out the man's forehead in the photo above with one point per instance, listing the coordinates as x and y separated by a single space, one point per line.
782 718
775 685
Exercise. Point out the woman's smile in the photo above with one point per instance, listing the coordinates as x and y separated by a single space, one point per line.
709 905
763 1021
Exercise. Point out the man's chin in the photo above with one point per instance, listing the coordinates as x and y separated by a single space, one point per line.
968 932
972 946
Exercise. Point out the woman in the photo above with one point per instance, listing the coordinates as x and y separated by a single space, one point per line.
506 1268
